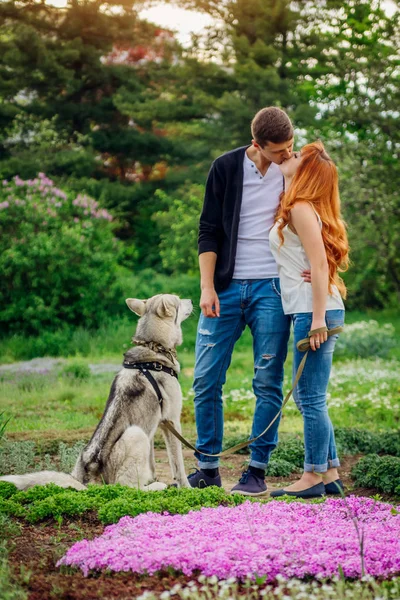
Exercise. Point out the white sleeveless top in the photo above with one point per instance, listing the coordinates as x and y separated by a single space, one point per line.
292 261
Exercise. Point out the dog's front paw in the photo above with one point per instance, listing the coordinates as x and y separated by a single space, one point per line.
156 486
183 483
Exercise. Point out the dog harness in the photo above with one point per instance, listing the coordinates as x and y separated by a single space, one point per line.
145 368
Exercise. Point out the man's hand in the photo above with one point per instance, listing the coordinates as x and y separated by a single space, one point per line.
209 302
306 275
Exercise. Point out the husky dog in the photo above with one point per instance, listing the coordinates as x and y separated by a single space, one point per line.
143 394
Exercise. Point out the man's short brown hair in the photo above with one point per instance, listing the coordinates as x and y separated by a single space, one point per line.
271 124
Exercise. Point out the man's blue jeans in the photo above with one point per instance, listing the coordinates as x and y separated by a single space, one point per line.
256 303
310 393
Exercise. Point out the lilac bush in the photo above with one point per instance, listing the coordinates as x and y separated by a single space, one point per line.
58 256
253 539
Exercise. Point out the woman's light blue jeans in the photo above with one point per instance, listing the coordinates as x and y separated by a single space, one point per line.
310 393
256 303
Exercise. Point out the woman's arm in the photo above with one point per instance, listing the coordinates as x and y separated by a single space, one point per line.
308 229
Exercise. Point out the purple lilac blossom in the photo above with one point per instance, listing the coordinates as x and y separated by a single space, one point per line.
52 195
291 540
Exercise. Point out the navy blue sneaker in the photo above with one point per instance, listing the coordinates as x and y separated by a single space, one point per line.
334 488
199 479
250 485
316 491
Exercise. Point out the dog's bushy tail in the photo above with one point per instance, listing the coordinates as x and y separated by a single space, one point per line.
28 480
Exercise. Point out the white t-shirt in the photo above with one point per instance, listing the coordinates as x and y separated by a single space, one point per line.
292 261
260 201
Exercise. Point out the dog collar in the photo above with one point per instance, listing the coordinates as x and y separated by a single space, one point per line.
159 348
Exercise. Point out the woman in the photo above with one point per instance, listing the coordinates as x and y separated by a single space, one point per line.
309 233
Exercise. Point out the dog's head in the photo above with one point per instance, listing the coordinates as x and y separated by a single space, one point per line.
160 318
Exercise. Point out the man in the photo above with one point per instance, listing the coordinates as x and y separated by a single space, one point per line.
239 287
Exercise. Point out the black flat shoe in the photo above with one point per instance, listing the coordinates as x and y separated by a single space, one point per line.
316 491
333 489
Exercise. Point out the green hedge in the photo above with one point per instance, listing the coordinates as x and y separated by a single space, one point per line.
379 472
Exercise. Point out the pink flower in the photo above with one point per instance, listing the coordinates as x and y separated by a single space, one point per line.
4 204
275 538
18 181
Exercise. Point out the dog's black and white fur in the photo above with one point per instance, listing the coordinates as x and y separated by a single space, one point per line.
121 449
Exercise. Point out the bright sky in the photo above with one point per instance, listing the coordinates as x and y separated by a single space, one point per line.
185 22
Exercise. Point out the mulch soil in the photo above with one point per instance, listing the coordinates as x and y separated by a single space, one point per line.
34 554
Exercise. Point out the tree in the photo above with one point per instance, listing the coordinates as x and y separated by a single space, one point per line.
60 64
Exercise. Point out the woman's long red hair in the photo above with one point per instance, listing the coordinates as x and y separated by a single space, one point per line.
316 182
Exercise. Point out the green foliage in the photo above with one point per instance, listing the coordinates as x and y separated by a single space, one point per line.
12 509
58 257
8 527
172 500
111 502
290 450
106 103
3 424
178 227
353 441
278 467
17 457
77 370
68 455
7 490
366 339
21 457
9 590
371 206
379 472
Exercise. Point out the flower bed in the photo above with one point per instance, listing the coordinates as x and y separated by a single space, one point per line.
292 540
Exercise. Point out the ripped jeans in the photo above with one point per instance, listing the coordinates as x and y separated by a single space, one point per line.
256 303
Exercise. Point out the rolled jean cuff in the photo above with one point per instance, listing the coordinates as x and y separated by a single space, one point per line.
258 465
334 463
208 465
315 468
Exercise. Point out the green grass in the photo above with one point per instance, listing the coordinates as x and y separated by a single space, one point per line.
363 392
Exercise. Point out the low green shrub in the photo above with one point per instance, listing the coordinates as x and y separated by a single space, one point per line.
366 339
9 527
66 504
21 457
7 490
279 467
110 502
290 450
68 455
58 258
17 457
351 440
12 509
76 370
286 459
379 472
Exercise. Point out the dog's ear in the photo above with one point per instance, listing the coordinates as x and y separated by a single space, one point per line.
136 306
166 309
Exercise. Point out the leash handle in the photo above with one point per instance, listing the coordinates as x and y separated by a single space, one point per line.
303 346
